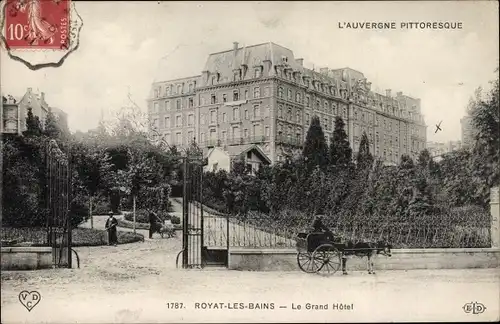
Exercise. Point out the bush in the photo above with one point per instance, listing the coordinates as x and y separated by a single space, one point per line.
79 210
102 208
143 226
142 216
175 220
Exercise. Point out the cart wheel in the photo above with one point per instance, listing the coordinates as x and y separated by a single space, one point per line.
327 258
307 263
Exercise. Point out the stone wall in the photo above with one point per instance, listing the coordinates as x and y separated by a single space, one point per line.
26 258
401 259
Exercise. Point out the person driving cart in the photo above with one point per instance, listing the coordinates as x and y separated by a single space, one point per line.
318 227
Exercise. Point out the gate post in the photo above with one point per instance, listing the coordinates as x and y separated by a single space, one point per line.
185 209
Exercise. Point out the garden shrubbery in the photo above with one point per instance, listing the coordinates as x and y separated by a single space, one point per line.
37 236
142 216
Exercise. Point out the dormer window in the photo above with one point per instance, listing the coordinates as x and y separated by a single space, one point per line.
258 72
284 59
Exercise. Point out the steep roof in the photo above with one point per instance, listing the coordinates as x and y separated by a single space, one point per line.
254 55
238 150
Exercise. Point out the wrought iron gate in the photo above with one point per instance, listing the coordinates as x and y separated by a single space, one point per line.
58 204
192 214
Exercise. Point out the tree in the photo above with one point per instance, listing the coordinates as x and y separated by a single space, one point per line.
94 168
315 151
403 182
51 129
422 202
364 158
486 148
340 151
33 127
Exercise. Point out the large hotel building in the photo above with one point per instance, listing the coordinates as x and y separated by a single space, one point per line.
262 94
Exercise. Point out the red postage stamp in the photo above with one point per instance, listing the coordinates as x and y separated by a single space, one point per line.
37 24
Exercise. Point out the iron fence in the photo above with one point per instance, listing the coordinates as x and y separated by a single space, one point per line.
279 231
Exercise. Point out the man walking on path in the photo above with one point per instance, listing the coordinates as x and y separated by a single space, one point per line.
111 224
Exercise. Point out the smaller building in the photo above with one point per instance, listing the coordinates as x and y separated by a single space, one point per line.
14 111
222 158
437 149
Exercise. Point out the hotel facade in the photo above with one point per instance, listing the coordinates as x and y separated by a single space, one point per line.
263 95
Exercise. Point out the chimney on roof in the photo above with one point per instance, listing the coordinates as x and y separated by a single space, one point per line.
29 89
388 93
235 46
399 93
323 70
300 61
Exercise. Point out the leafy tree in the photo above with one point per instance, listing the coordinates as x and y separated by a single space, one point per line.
486 148
51 129
315 150
20 203
422 202
403 183
459 185
364 158
33 127
340 151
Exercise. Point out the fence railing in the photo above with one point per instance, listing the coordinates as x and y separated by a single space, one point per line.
266 231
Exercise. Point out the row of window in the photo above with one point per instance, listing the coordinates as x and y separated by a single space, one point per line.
170 90
178 104
307 101
236 96
211 118
235 133
314 84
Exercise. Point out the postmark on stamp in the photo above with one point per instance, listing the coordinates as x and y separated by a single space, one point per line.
31 26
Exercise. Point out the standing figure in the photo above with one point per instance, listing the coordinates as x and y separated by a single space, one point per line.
319 227
152 224
111 224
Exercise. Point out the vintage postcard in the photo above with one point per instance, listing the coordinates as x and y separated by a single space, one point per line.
225 162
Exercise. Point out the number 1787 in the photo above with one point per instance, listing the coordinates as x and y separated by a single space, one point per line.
175 305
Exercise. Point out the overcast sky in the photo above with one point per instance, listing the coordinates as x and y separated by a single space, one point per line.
131 44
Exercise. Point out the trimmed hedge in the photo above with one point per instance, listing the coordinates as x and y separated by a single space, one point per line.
36 236
144 226
142 216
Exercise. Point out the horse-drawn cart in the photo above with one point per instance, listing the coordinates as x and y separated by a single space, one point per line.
318 253
322 254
